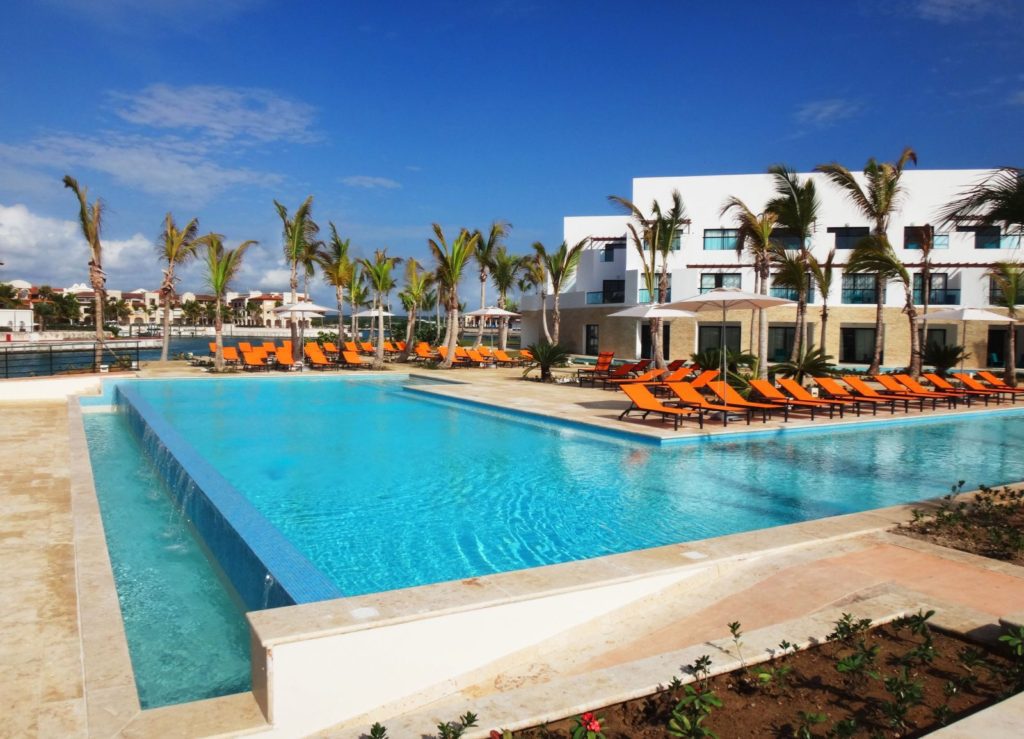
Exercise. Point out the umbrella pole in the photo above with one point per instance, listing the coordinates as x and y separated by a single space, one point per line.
723 350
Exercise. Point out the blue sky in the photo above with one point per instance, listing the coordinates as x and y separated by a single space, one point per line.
398 114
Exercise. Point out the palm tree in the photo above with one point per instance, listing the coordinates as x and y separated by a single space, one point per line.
654 239
483 254
535 277
451 261
792 273
358 295
90 218
191 311
505 269
300 232
382 282
876 256
338 269
796 206
821 273
998 200
9 296
413 297
755 234
876 202
221 267
174 247
560 265
1008 278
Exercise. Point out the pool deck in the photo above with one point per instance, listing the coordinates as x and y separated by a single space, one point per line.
66 665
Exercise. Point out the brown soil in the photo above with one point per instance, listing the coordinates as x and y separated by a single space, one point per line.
816 687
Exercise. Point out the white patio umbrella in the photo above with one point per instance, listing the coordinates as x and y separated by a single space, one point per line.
491 311
301 309
724 299
651 310
373 313
963 315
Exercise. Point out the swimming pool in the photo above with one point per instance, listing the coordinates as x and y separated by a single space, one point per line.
379 488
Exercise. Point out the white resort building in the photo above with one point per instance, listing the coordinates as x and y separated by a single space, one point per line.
610 273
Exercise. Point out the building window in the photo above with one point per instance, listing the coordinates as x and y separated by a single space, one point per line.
676 245
859 289
709 281
780 342
608 254
936 337
710 337
642 296
996 297
914 236
939 294
856 345
787 238
613 291
590 339
847 237
790 293
720 239
985 237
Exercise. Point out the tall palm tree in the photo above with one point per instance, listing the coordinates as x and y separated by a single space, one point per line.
451 260
90 218
653 236
382 281
1008 277
300 233
821 273
796 206
484 257
792 272
505 269
998 200
174 247
755 236
877 257
535 277
358 295
877 201
337 268
560 265
191 311
222 266
413 297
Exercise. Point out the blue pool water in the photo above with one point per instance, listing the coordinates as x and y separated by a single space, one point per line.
381 488
188 639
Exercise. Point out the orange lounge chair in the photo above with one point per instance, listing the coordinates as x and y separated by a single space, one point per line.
915 387
675 364
213 348
615 373
352 359
972 384
401 345
771 394
457 361
525 355
423 353
350 346
602 367
283 358
862 388
678 375
895 388
643 402
505 359
366 347
729 396
688 397
645 378
704 378
476 358
799 392
941 383
316 357
835 391
231 355
998 383
253 362
485 351
330 347
244 346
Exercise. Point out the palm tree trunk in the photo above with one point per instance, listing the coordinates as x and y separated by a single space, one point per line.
876 360
410 332
378 359
1010 371
502 323
167 328
453 331
915 338
339 296
556 320
96 275
762 325
294 285
437 320
824 322
218 355
801 320
544 316
483 297
654 325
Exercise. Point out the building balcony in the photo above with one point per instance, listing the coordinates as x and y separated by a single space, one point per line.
938 296
642 296
599 297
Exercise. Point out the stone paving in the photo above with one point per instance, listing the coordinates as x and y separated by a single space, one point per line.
59 621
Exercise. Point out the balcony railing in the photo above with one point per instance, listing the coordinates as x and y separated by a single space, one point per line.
599 297
938 296
860 295
790 293
642 296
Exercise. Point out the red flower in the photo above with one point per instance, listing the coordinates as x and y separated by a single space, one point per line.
594 725
587 717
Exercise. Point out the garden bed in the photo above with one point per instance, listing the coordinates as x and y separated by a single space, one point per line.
902 679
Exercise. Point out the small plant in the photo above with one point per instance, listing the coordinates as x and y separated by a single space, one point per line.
587 726
455 729
806 720
847 630
1014 641
845 729
546 356
700 669
688 716
769 677
858 667
906 694
942 714
378 731
736 631
944 357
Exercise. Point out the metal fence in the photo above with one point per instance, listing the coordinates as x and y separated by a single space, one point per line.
22 360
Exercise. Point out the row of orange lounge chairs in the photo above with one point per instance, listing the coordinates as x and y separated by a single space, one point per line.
267 356
704 394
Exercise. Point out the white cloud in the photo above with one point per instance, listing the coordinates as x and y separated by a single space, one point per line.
53 251
371 183
953 11
822 113
274 280
222 113
168 167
